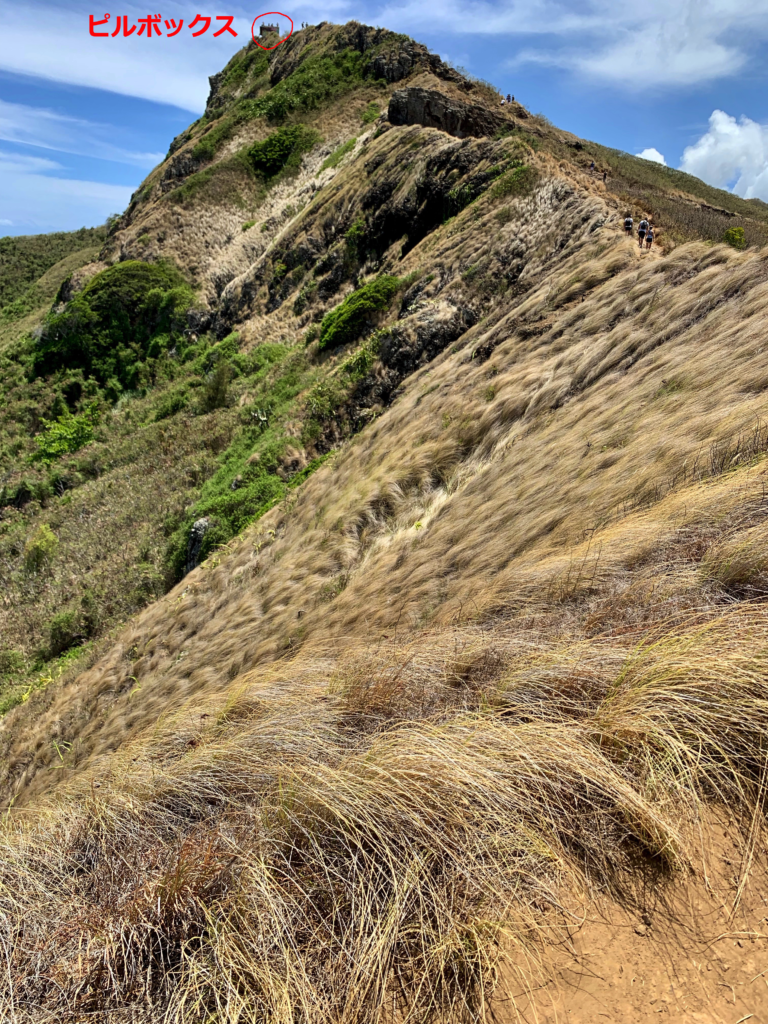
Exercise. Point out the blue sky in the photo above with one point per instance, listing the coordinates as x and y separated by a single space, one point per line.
82 119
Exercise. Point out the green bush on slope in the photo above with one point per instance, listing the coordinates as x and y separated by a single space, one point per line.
125 314
65 434
735 238
348 320
282 149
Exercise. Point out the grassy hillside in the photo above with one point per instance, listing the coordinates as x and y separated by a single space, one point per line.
382 566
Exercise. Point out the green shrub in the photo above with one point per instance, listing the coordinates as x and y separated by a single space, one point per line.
735 237
217 387
107 330
65 630
305 296
248 224
282 149
66 434
370 113
40 549
11 662
338 154
348 320
172 401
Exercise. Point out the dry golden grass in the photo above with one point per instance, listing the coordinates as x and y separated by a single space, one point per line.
484 478
368 840
500 651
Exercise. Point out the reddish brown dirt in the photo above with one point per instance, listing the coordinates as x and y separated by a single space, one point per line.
686 957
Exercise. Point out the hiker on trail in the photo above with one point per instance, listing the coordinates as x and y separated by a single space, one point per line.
641 230
592 167
509 98
649 237
628 224
605 176
503 101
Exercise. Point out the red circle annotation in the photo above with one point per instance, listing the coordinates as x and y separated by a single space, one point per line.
266 15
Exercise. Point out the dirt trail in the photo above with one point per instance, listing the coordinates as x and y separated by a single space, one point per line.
686 957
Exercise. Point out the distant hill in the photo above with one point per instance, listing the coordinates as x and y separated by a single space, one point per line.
25 258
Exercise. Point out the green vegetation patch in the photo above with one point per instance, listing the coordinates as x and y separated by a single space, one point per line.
67 433
371 112
231 181
520 181
317 81
735 238
125 314
349 319
282 150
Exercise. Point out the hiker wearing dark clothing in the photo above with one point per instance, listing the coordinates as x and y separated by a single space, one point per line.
592 167
628 224
649 238
641 230
509 98
605 176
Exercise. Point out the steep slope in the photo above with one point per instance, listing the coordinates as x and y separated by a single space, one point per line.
477 626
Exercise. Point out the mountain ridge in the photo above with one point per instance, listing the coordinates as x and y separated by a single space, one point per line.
383 556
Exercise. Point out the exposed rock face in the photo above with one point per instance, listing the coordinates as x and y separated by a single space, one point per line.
432 109
78 280
199 529
177 169
216 101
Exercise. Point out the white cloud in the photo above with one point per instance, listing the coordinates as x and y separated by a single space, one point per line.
35 126
20 163
653 154
34 199
731 154
53 42
648 45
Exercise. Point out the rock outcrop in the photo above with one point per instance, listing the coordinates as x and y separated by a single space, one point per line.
434 109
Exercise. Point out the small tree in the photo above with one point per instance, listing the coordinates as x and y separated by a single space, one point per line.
735 237
40 548
65 434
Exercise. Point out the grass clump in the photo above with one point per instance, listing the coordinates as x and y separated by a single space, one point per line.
338 154
40 549
123 316
351 318
520 181
248 225
371 112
